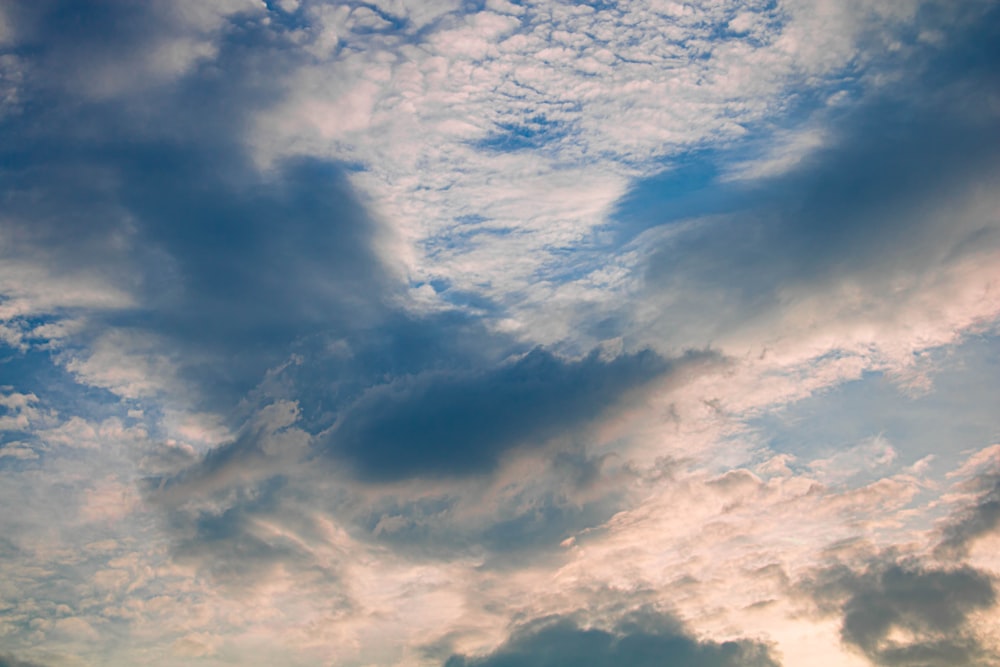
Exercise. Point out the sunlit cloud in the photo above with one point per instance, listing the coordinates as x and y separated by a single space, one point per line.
437 333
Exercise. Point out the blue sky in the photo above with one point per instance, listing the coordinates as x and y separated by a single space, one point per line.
481 334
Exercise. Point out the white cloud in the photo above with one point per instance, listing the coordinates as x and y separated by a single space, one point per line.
77 432
420 111
127 363
873 454
17 450
108 500
786 151
30 288
21 411
493 144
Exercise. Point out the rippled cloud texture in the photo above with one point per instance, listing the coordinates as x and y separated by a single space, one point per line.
482 334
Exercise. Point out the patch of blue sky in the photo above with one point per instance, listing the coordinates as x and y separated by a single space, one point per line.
695 183
980 51
463 299
393 23
533 133
767 12
299 18
469 301
601 5
574 263
469 227
34 371
287 17
689 187
56 398
956 416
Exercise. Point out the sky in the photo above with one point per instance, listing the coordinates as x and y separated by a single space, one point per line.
467 333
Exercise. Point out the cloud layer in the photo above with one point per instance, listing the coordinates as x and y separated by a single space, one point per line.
503 333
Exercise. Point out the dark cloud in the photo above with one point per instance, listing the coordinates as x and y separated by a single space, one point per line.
543 523
225 265
11 661
522 526
449 424
244 539
226 546
107 48
868 204
643 641
462 423
980 518
265 448
337 367
905 613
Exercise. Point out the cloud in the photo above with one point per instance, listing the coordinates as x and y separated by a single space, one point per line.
900 612
979 518
442 440
267 446
11 661
850 223
532 121
452 422
863 252
646 640
350 294
256 268
455 424
146 221
113 48
232 547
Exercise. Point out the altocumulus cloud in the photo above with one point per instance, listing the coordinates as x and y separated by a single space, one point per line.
354 333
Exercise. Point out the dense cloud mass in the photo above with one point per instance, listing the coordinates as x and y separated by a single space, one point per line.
448 425
9 661
902 613
862 210
980 519
151 209
477 334
558 642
